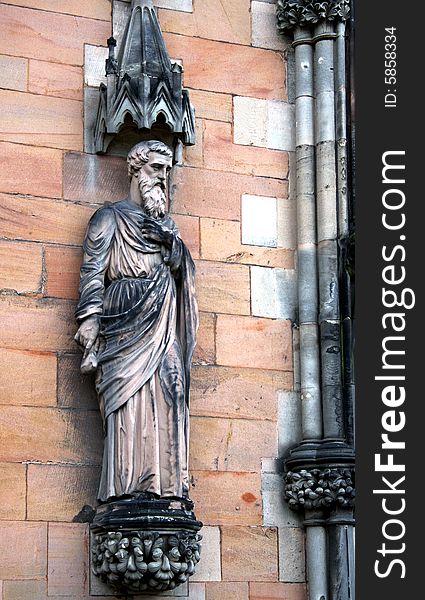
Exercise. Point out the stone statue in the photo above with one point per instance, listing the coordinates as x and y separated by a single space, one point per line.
138 318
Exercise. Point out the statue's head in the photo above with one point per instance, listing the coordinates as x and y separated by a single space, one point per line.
149 163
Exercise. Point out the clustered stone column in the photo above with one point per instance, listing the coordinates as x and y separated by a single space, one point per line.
319 472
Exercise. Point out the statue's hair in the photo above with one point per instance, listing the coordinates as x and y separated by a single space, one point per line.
139 154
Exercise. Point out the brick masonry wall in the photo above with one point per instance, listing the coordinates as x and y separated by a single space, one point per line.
232 203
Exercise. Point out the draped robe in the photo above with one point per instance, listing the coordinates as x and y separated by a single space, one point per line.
144 297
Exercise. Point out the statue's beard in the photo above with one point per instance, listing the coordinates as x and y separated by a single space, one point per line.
153 196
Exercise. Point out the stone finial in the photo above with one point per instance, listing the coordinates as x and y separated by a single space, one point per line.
303 13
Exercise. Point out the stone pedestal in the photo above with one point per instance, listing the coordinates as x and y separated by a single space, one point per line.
145 545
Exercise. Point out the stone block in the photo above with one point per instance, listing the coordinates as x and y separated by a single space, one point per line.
223 288
94 64
286 222
259 221
221 154
25 590
221 241
52 37
68 555
52 79
36 324
209 105
209 567
189 233
227 591
261 343
21 266
42 175
50 435
75 390
228 444
41 120
91 104
63 271
264 123
277 591
205 342
226 498
249 554
276 512
292 554
200 192
182 5
212 19
59 493
12 491
193 156
264 29
274 293
289 420
13 73
25 540
94 179
95 9
237 393
27 378
43 220
237 69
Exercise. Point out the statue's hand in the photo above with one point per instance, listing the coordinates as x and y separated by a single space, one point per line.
88 332
156 233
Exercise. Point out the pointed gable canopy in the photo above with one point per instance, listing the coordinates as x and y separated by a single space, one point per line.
143 85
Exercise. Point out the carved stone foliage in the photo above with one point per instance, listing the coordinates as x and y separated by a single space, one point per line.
320 488
302 13
136 561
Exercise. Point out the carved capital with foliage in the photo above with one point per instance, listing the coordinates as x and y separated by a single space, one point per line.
303 13
320 488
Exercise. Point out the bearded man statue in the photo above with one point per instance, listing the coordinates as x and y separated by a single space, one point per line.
138 319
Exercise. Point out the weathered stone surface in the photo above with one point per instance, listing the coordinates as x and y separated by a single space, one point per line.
95 9
63 271
264 29
50 36
37 388
212 19
36 324
41 120
249 554
193 156
29 542
50 79
67 547
58 493
209 105
75 390
264 123
14 73
199 192
226 498
12 491
289 419
241 70
94 179
94 65
227 444
220 241
274 293
182 5
21 266
227 590
237 393
205 341
209 567
259 220
39 219
25 590
48 434
276 512
261 343
291 554
223 288
189 232
220 153
277 591
42 175
286 223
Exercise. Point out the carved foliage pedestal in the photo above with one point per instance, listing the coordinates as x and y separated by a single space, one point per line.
141 545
